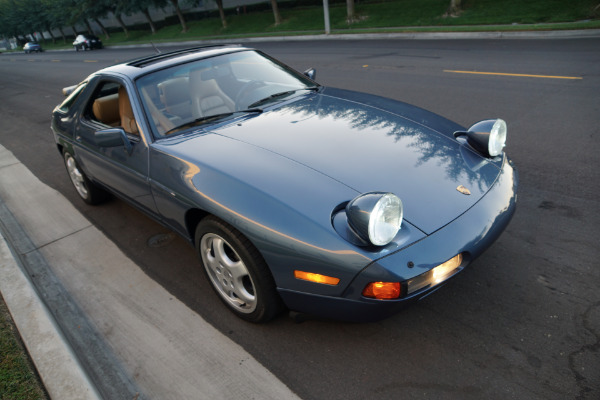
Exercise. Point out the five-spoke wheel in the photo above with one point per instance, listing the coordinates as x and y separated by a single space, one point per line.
236 271
228 273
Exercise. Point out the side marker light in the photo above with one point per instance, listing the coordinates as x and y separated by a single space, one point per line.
317 278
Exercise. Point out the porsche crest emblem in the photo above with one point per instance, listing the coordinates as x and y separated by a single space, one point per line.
463 190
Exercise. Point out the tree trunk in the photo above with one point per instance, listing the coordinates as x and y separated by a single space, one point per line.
120 21
74 30
89 27
51 35
350 11
454 9
222 13
106 35
184 27
276 12
146 13
62 34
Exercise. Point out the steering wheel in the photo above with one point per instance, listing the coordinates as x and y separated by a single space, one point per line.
244 91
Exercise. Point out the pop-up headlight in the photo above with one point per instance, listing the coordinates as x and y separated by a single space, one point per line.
488 137
376 217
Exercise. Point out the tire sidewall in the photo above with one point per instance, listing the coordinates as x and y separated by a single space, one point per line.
66 156
268 301
95 194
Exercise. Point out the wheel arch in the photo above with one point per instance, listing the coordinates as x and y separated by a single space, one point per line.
192 218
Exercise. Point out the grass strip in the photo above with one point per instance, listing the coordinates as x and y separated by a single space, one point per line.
18 379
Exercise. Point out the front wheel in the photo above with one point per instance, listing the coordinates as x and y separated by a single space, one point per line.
237 271
88 192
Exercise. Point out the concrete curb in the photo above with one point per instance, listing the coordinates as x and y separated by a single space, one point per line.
54 359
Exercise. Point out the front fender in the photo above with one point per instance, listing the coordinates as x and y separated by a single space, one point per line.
282 207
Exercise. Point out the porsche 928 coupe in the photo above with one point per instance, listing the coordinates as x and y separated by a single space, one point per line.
320 200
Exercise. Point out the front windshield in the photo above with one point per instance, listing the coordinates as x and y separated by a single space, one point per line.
202 91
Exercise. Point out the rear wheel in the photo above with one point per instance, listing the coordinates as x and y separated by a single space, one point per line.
88 192
237 271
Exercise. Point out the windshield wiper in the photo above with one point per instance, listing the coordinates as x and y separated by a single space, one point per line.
208 118
280 94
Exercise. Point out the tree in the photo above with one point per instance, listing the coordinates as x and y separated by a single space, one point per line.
129 7
57 15
222 13
454 9
9 19
97 9
32 16
146 12
101 25
184 27
119 19
350 16
276 13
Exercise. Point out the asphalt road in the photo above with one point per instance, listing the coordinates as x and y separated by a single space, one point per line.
522 322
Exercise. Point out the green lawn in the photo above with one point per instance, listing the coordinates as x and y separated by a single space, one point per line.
377 16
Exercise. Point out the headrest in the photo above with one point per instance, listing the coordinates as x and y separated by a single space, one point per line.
174 91
106 109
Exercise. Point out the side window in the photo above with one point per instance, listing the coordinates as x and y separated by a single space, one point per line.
66 105
110 106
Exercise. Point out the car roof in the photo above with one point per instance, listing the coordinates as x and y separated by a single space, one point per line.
158 61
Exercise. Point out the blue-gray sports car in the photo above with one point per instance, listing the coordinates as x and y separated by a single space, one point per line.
323 201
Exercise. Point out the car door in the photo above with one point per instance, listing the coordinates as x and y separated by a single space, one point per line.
122 168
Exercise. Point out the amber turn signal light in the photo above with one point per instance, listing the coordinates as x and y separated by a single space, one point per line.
317 278
382 290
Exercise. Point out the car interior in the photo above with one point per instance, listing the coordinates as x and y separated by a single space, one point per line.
182 98
179 96
115 109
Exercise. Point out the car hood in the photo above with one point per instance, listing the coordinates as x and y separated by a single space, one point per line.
369 149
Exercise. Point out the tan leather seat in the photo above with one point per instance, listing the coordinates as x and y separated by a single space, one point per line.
207 97
161 122
126 113
175 95
106 110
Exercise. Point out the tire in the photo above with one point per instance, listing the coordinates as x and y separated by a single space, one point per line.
89 192
237 271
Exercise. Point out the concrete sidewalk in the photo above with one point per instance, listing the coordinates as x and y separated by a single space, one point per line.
112 331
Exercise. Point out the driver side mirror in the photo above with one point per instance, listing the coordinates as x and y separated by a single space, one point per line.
113 137
311 73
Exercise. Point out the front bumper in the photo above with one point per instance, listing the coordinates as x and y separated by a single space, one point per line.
470 234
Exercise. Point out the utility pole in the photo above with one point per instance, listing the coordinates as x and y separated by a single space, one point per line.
326 12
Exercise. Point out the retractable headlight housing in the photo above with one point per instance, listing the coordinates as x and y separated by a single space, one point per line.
376 217
488 137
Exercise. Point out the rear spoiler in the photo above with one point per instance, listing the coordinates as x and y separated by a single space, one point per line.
68 90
